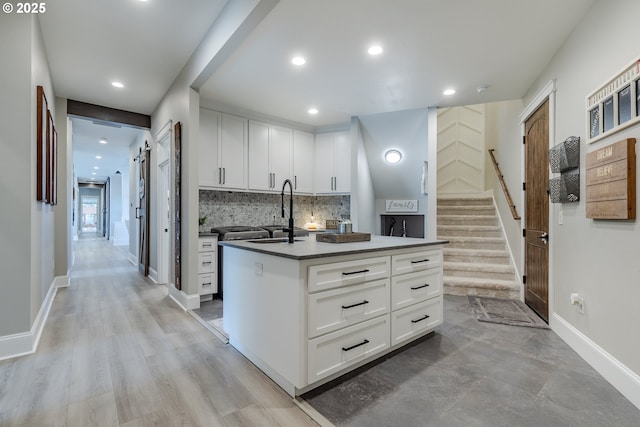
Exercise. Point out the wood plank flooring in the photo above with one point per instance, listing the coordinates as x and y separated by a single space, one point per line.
116 351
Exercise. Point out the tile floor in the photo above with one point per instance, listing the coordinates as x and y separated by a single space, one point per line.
471 373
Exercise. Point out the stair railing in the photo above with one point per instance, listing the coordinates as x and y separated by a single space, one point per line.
505 190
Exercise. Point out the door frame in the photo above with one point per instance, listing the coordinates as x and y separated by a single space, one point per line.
163 159
547 92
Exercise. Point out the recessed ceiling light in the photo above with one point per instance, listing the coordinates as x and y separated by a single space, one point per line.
375 50
103 141
117 84
98 157
93 173
96 168
313 111
449 92
298 60
392 156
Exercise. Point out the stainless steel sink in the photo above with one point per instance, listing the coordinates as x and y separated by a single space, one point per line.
262 241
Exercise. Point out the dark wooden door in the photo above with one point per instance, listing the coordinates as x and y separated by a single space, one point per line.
143 211
537 211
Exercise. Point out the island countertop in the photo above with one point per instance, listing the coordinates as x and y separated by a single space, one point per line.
308 248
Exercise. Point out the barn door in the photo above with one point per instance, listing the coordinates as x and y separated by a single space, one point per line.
537 211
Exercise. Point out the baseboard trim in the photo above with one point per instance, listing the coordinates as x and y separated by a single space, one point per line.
153 275
133 259
26 343
620 376
185 301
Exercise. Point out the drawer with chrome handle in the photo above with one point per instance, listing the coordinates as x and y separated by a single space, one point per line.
206 262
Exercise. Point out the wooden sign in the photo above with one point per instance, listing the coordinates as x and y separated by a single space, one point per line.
611 181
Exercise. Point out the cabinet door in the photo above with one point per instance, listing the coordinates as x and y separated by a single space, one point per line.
259 174
324 169
208 149
303 162
280 143
342 180
233 151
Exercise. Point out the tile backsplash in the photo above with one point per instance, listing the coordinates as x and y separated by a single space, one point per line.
224 208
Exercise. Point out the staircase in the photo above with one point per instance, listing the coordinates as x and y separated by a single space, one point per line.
476 260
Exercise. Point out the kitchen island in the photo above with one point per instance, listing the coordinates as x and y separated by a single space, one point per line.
308 312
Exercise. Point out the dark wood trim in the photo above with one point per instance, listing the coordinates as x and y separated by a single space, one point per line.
98 112
41 142
177 205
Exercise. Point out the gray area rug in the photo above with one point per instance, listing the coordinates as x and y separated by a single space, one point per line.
505 312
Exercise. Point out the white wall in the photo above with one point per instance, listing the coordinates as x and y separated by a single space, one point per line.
408 132
502 133
363 209
597 259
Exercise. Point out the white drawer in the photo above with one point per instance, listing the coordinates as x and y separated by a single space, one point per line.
339 274
415 261
415 320
335 351
207 283
207 244
206 262
411 288
337 308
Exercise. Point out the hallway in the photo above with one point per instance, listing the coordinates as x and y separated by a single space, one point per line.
116 351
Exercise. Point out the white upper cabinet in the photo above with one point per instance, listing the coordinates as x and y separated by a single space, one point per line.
270 156
333 162
303 162
223 151
208 148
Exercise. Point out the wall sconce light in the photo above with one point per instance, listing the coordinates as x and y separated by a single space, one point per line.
392 156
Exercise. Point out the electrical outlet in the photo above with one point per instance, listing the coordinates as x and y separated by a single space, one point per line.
576 299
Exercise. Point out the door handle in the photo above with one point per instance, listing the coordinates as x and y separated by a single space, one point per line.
545 238
295 182
137 209
219 175
224 175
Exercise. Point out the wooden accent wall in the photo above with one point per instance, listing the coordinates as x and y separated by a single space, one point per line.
611 181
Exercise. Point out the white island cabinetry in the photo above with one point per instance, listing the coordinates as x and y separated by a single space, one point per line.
308 312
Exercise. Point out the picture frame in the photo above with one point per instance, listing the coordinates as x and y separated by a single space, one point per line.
42 143
49 159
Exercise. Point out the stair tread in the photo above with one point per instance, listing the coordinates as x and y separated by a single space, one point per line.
472 239
477 252
474 266
480 283
465 216
463 227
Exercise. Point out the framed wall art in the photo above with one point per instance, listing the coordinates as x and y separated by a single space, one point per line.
42 144
615 105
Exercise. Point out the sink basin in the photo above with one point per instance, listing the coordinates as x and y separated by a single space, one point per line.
262 241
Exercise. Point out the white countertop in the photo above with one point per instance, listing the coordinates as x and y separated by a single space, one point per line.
308 247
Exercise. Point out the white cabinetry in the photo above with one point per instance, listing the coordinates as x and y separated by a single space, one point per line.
416 294
208 265
223 150
333 162
303 162
270 155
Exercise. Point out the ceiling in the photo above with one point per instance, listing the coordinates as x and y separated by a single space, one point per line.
429 46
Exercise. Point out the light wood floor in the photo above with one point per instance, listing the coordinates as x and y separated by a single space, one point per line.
116 351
